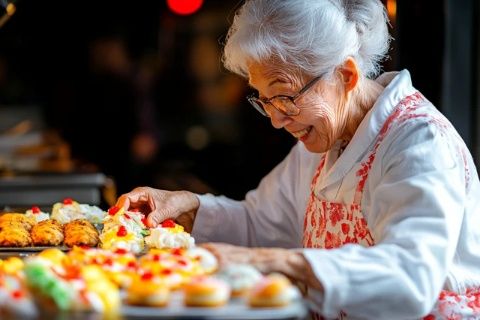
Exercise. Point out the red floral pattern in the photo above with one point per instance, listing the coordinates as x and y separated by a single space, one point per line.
331 225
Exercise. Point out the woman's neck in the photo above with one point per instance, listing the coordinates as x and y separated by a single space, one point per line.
361 101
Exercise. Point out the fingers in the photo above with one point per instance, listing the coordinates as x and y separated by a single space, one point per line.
153 219
135 198
123 202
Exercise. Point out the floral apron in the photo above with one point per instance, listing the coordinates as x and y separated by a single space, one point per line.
330 224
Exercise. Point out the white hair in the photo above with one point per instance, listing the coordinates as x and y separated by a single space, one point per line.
311 35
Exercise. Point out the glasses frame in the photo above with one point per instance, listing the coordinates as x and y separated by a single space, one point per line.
259 104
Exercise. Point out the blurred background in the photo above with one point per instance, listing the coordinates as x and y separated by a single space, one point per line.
115 94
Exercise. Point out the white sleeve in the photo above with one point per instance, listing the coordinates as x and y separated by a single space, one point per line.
415 215
269 216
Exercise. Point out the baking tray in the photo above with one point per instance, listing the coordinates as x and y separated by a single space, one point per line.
236 309
32 249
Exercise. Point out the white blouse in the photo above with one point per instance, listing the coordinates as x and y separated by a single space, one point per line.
421 202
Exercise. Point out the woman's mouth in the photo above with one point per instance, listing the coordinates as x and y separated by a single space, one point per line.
302 134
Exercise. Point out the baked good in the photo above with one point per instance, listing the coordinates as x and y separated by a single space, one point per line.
102 294
70 210
67 211
69 287
274 290
240 277
50 290
148 290
8 220
119 237
206 292
207 261
120 266
80 233
15 299
168 234
37 214
93 214
54 256
123 230
12 265
47 233
14 236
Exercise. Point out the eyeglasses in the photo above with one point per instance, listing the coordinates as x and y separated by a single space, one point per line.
284 104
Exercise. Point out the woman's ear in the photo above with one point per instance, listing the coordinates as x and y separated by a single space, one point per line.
349 74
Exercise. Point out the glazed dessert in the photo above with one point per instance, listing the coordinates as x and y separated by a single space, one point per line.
70 210
206 292
123 230
80 233
208 262
37 214
70 288
169 235
274 290
47 233
240 277
120 266
148 290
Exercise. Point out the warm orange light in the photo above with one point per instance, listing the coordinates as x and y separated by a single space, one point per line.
11 9
184 7
392 9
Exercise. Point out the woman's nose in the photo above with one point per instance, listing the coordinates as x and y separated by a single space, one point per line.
278 119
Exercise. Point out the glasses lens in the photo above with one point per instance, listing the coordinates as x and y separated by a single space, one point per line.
285 105
257 104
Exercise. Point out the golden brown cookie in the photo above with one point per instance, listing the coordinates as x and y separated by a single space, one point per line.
47 233
14 219
80 233
15 237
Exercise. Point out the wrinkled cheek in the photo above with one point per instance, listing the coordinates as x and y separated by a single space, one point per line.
324 123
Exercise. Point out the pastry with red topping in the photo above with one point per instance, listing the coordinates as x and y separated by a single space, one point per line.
168 234
70 210
123 230
15 299
69 287
119 265
148 290
36 213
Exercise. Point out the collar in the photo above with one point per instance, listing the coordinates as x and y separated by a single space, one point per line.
397 85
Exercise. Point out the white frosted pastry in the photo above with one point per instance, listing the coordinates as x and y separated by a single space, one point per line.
67 211
240 277
38 214
120 238
169 235
205 258
131 220
92 213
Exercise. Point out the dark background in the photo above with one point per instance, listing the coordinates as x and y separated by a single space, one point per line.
140 93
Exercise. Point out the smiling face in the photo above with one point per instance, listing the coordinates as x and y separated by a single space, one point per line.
321 120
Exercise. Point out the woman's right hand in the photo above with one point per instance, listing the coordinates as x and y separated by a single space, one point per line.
160 205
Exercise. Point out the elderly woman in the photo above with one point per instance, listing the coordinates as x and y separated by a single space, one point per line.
376 208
